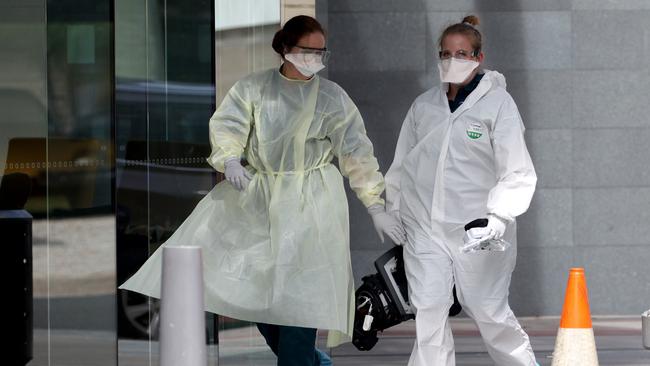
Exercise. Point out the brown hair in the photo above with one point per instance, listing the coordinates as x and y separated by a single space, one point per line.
466 27
294 29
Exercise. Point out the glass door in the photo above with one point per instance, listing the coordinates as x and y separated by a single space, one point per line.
164 97
174 62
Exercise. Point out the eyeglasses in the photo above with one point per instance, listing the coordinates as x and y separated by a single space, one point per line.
461 54
311 53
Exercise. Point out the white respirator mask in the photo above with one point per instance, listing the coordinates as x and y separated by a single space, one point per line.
306 64
455 70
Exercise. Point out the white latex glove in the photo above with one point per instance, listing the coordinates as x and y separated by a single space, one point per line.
496 226
476 235
236 174
474 238
481 239
387 224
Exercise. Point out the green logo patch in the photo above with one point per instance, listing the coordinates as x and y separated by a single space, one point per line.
474 135
474 131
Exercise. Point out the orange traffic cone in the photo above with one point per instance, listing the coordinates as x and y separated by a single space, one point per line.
575 344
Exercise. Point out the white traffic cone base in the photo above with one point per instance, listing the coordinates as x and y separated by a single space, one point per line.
575 347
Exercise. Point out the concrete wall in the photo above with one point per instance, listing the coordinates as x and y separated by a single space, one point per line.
578 71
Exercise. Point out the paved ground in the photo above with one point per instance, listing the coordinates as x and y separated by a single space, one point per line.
618 340
74 257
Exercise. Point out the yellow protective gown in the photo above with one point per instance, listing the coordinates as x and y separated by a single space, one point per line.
279 252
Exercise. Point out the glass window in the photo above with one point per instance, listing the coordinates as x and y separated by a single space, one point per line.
56 141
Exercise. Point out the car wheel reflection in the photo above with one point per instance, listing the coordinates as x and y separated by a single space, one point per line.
142 313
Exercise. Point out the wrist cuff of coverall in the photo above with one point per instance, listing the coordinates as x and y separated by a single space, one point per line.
504 219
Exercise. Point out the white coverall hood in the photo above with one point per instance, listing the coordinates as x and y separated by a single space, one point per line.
496 79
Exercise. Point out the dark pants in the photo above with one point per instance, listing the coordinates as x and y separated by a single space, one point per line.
294 346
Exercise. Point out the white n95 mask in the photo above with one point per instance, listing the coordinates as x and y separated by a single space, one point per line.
306 64
454 70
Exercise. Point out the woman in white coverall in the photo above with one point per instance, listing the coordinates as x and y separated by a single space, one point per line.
275 235
460 156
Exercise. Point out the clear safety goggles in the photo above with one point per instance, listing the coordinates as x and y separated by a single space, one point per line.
460 54
309 54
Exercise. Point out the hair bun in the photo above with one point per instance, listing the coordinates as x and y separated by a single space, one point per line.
295 28
278 42
471 20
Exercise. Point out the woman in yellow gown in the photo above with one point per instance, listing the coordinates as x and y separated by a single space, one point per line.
275 235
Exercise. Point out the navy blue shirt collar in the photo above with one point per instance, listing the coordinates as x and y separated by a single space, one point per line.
464 92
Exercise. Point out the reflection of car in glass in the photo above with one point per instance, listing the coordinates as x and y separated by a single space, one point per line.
161 174
153 200
162 111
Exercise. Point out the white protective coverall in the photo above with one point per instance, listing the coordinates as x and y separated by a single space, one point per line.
278 252
449 169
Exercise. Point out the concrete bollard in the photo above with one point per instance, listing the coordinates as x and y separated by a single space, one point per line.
182 319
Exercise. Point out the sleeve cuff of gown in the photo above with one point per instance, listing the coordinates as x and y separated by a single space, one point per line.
372 200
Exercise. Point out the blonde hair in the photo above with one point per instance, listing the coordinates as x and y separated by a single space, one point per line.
467 28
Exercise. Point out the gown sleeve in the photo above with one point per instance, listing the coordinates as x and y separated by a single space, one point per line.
230 126
354 151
